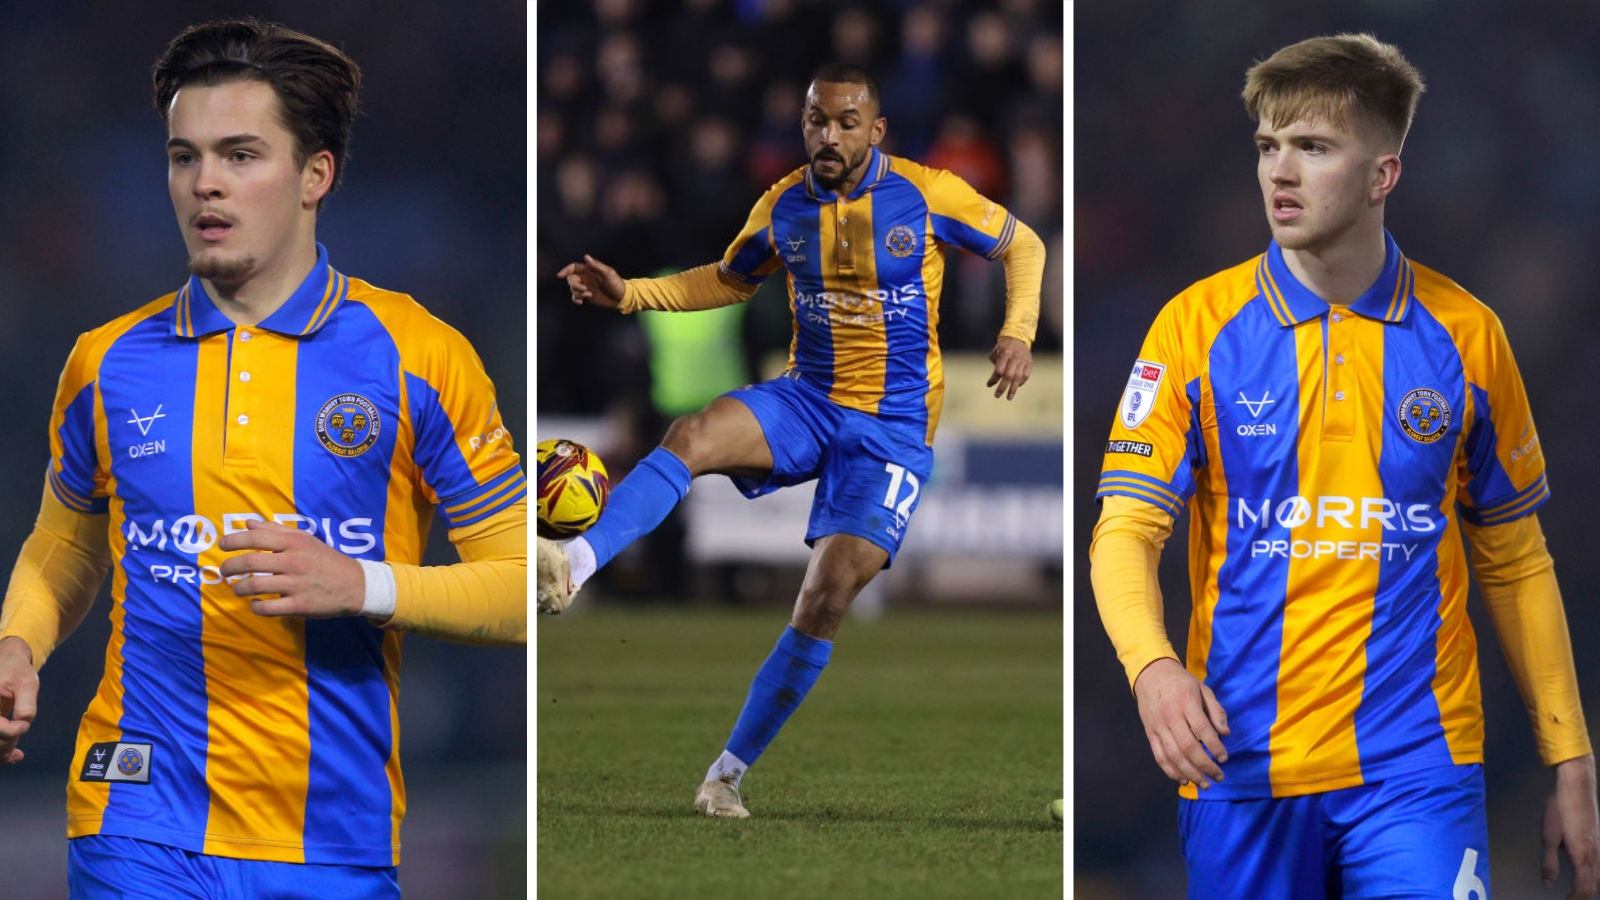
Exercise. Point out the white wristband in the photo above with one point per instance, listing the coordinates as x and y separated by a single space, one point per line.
378 602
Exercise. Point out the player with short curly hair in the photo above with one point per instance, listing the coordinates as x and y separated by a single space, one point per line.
862 236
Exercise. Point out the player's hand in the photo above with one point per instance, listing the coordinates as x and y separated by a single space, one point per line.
19 695
592 281
1572 823
1013 363
312 579
1182 719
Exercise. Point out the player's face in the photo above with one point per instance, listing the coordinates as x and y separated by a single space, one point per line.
1319 181
841 125
242 204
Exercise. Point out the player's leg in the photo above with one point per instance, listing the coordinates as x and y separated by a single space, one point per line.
868 487
103 867
1420 835
1249 849
724 438
840 566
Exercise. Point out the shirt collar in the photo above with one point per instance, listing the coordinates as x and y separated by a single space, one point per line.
1389 298
309 308
877 167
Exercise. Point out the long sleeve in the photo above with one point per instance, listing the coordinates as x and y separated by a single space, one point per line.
1123 559
481 600
1518 581
1024 261
703 287
61 567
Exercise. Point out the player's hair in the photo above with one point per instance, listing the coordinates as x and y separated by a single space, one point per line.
850 73
316 83
1335 78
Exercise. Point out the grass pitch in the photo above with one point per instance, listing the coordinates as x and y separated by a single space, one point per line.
920 766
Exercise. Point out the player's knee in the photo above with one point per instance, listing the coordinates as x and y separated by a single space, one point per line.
688 438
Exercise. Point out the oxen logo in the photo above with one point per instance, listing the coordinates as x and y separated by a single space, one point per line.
348 425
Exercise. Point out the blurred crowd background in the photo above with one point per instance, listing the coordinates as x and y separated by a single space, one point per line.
659 125
1498 192
434 206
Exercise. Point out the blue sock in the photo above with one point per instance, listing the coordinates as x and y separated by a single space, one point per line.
780 684
638 504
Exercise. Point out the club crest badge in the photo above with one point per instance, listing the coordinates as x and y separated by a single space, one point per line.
348 425
130 761
900 240
1140 396
1424 415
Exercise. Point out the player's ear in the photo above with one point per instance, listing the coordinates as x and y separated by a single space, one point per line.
1386 175
316 178
880 127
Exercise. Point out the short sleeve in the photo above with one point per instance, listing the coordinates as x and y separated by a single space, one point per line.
463 450
959 215
76 475
1155 444
1502 472
752 256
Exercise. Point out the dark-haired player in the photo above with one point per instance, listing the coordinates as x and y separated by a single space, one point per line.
243 742
863 238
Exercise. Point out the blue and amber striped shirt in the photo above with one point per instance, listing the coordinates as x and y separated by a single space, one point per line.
865 273
1326 456
349 413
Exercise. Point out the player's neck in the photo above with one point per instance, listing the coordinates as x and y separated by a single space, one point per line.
1343 270
251 301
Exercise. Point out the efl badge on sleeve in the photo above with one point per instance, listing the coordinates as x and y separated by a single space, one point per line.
1424 415
348 425
1140 397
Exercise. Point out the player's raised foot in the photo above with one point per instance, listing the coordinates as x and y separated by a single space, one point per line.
554 576
719 799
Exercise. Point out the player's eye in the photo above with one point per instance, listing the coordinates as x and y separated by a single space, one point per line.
239 156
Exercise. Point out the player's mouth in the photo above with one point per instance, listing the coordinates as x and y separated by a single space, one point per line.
1285 208
213 227
828 159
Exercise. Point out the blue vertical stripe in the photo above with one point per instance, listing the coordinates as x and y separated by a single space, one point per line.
347 796
1398 719
163 672
796 218
1254 359
906 312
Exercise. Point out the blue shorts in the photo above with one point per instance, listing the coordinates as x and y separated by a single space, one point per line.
870 470
1420 835
107 867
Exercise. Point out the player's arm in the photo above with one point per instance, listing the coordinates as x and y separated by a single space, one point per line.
703 287
1024 265
1517 578
62 565
1182 718
481 600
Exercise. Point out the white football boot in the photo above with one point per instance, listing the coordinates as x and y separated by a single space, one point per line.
554 577
719 799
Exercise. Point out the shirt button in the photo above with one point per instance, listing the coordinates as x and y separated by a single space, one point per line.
244 335
845 221
244 419
245 376
1337 395
844 243
1338 318
1339 358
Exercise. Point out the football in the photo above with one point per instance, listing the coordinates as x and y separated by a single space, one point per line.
572 488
